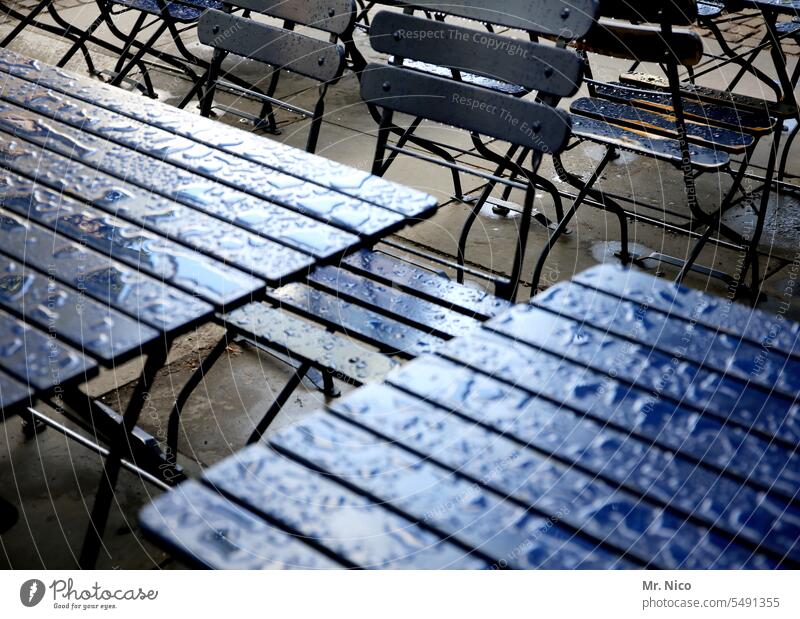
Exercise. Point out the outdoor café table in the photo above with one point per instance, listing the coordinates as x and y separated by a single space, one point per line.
125 222
616 421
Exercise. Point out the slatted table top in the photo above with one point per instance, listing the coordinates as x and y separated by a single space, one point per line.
124 221
617 421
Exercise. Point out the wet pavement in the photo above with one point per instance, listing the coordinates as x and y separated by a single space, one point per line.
52 481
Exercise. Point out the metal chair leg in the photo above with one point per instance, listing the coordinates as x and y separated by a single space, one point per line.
279 403
584 190
100 511
25 22
174 423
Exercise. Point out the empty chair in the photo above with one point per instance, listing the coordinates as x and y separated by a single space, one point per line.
531 128
695 129
321 60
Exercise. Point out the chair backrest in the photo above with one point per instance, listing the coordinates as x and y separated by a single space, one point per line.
547 69
333 16
569 20
318 59
645 43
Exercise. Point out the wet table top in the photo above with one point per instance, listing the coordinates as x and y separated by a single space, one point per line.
124 221
617 421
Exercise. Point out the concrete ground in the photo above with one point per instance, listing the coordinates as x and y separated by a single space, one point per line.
51 481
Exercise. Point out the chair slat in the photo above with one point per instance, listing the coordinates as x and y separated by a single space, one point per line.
208 530
385 333
643 44
345 358
334 16
679 12
283 49
661 123
526 123
569 19
534 66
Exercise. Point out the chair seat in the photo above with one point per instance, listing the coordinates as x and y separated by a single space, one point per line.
754 123
310 343
469 78
185 11
662 124
650 145
779 109
425 284
385 333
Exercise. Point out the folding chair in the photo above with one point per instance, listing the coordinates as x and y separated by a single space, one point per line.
532 128
285 50
662 119
156 18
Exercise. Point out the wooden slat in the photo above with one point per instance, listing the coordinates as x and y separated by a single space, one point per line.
529 434
334 16
714 96
569 19
721 314
643 43
773 370
63 167
343 357
312 504
241 146
730 399
126 289
177 169
389 335
116 238
405 307
713 115
518 121
533 66
456 507
425 284
281 48
645 144
13 395
38 360
208 530
86 324
661 124
676 425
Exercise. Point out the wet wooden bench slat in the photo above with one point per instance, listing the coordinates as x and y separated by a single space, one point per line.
176 169
390 336
36 359
661 124
655 146
344 358
239 146
116 238
68 172
723 116
424 315
13 395
425 284
208 530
